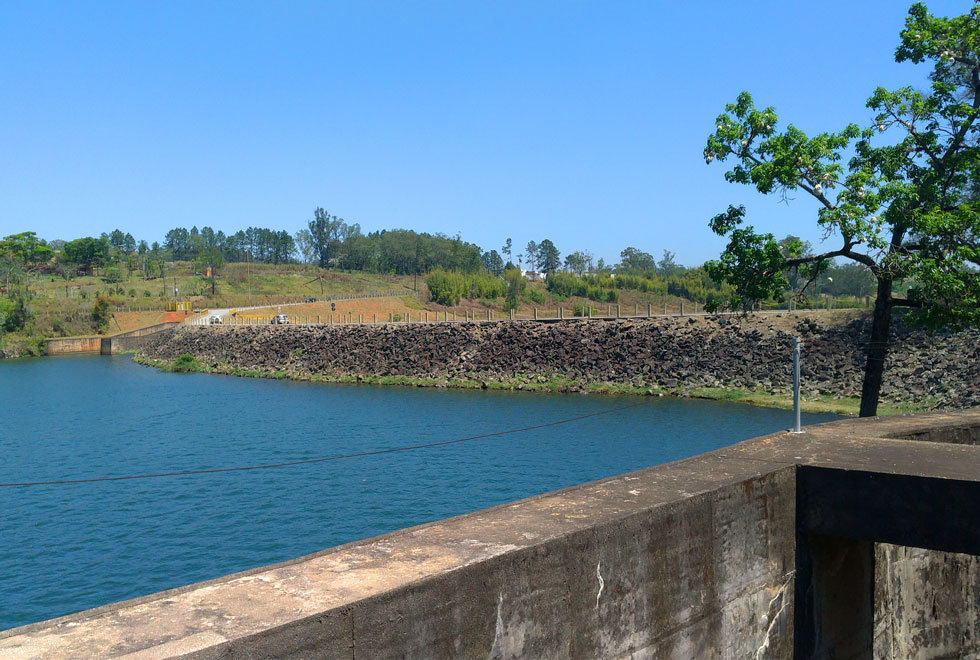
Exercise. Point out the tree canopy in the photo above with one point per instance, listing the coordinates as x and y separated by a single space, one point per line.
901 206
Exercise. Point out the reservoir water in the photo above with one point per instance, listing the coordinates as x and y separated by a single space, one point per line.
65 548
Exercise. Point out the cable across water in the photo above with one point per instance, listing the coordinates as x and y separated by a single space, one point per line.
375 452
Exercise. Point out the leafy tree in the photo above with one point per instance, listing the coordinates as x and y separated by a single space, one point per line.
549 259
324 229
304 245
579 262
100 313
111 275
531 250
209 262
494 262
633 260
87 253
26 248
902 209
177 242
14 312
668 266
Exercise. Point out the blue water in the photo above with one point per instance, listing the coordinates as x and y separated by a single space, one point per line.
70 547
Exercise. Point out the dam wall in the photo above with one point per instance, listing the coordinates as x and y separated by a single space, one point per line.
759 550
933 370
66 345
126 341
130 341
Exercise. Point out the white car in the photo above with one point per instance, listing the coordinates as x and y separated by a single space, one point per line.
280 319
214 319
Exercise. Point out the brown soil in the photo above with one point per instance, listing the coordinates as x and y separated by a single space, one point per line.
129 321
366 307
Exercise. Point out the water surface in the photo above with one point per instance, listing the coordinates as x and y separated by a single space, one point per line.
70 547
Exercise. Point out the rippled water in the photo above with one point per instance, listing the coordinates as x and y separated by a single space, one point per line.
70 547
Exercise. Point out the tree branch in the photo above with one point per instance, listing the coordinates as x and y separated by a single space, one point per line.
843 252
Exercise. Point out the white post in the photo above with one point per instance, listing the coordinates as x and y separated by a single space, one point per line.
796 384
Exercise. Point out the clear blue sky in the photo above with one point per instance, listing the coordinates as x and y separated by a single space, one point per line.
582 122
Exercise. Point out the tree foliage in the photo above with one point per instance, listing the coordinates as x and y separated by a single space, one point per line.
900 206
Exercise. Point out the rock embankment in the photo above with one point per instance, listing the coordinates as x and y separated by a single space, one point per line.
934 370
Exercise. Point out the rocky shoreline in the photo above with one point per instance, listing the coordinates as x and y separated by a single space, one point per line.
933 371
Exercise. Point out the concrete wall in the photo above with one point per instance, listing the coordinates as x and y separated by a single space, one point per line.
690 560
928 602
129 341
72 345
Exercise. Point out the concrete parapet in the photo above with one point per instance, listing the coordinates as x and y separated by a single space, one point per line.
694 559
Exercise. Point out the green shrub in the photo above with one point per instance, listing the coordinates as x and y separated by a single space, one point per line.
100 313
535 296
516 285
185 364
449 287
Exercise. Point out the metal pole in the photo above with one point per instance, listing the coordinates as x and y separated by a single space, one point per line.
796 384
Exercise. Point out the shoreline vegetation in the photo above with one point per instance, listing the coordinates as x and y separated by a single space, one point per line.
842 405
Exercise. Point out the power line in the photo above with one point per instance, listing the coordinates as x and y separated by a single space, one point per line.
376 452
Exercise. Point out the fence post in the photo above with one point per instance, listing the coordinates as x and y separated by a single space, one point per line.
561 313
391 317
511 315
649 309
665 304
617 311
454 313
682 308
375 318
636 309
535 313
318 319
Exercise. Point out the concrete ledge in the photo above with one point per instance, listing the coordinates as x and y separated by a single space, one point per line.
693 559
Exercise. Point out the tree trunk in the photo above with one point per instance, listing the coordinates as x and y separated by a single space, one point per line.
877 350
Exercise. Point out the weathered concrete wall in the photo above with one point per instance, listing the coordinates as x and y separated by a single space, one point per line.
690 560
72 345
130 341
938 371
694 559
106 345
928 602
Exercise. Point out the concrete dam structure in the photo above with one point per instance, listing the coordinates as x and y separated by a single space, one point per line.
853 540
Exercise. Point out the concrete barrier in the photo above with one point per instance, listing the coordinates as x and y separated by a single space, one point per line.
717 556
103 345
65 345
129 341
